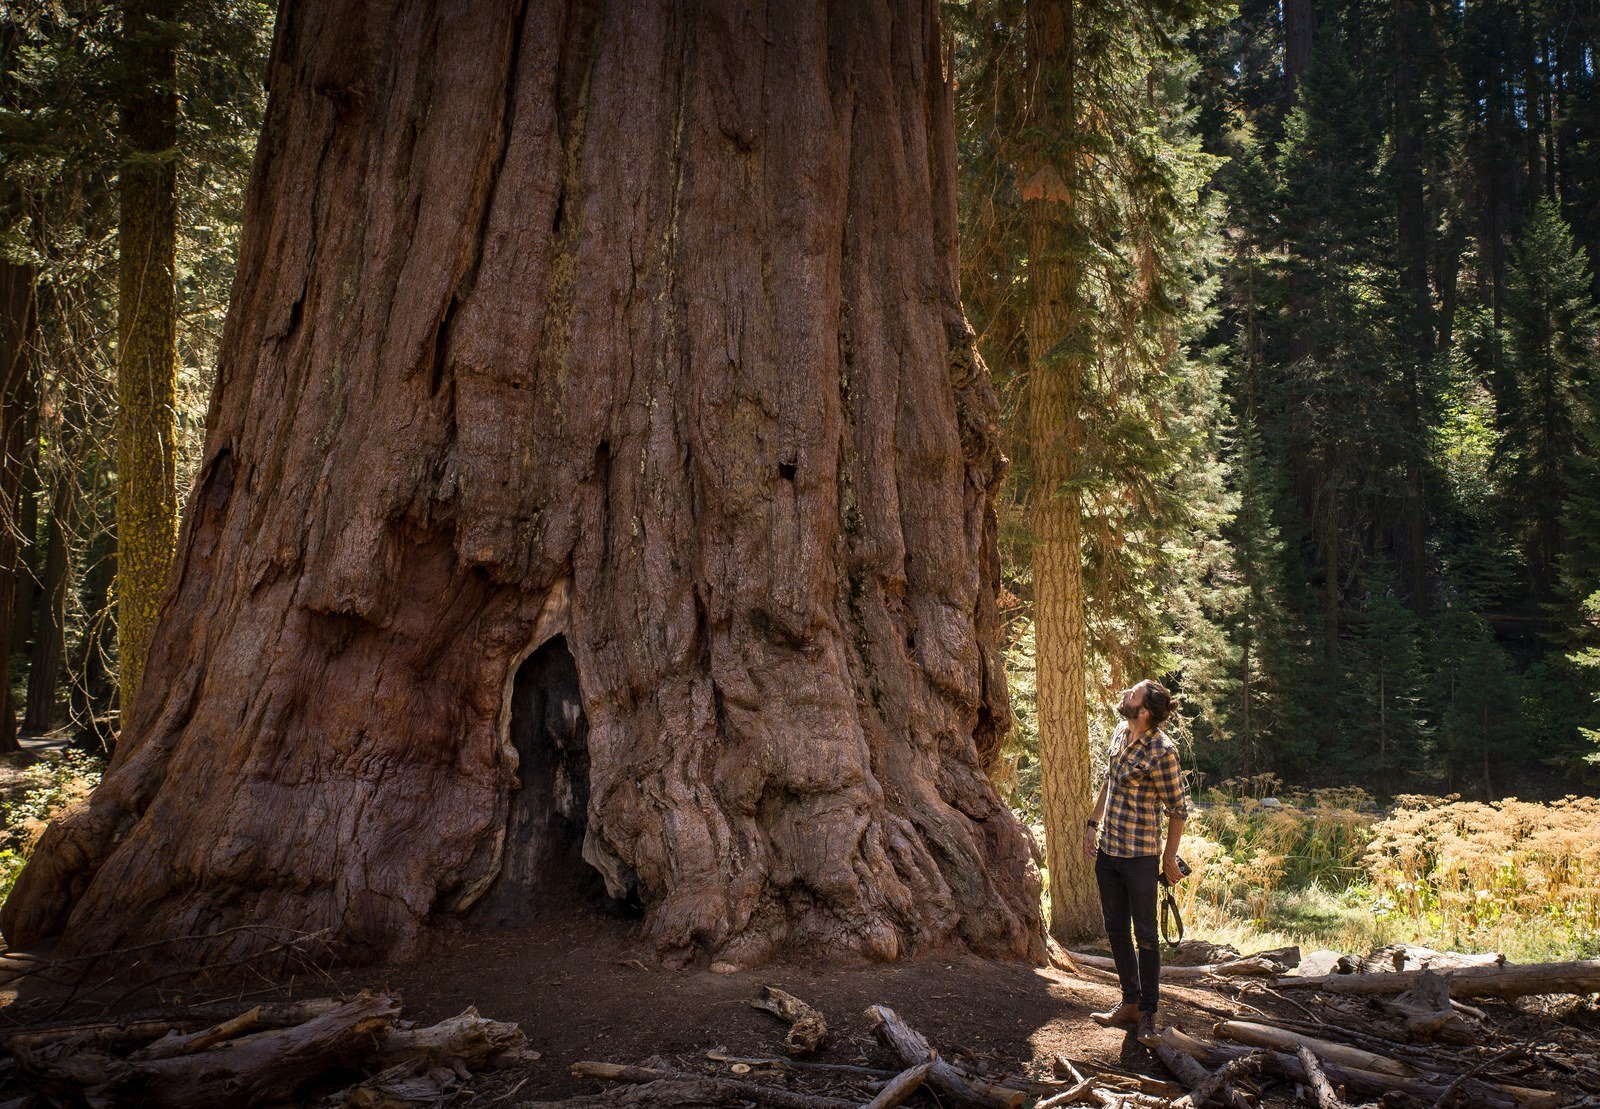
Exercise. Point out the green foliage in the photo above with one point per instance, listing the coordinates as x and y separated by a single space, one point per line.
61 82
55 783
1553 353
1385 730
1139 235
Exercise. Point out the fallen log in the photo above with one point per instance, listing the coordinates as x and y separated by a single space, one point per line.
1509 981
714 1090
1405 956
468 1037
900 1087
175 1044
807 1028
1424 1088
262 1067
152 1024
720 1055
1281 1039
1218 1084
1319 1092
1249 966
1200 1082
953 1085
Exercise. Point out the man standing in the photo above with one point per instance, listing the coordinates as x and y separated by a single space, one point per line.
1143 780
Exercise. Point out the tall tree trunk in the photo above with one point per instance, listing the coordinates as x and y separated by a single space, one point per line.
147 499
49 647
1532 104
92 692
1413 228
1332 593
18 323
27 521
637 327
1299 28
1055 377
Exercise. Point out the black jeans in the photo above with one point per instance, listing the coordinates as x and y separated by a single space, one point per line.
1128 896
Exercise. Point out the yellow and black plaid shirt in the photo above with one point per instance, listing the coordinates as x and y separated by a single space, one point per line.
1143 780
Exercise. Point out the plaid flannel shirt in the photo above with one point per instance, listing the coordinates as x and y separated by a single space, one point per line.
1143 780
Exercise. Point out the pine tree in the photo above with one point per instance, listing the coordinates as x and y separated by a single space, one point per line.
1383 724
1483 727
1089 243
1553 355
1264 725
1334 413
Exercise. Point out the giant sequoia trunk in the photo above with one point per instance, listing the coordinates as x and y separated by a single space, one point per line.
637 327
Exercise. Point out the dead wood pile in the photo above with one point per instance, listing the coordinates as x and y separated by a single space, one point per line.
1391 1028
356 1053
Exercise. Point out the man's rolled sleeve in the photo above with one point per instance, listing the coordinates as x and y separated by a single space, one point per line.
1168 780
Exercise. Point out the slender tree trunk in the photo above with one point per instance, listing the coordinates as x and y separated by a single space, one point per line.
636 327
1299 28
27 522
1383 719
92 694
1247 732
147 500
1055 384
1532 102
18 322
1331 591
44 674
1413 229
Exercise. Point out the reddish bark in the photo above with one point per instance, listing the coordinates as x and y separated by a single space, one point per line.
639 327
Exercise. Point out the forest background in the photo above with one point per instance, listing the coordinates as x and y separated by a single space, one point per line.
1319 414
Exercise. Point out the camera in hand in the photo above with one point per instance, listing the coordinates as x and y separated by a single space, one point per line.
1183 869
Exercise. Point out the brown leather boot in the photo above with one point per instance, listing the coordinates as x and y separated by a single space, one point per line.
1123 1016
1146 1033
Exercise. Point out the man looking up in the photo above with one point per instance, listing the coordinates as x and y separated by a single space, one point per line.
1143 780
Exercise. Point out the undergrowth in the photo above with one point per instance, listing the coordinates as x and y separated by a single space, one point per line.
1325 869
55 783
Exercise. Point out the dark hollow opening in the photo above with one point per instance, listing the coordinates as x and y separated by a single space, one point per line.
543 866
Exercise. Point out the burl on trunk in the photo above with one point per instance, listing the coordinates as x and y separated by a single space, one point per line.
602 364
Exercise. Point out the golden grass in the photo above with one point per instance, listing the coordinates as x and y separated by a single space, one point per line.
1324 870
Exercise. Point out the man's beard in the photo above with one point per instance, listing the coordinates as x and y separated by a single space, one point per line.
1128 712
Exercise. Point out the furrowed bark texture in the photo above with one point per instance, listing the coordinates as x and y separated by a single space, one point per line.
1055 395
649 306
147 332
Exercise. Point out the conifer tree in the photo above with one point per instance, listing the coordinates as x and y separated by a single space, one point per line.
1484 724
1553 354
1340 435
1384 728
1089 172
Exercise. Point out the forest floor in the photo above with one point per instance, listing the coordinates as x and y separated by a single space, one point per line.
582 987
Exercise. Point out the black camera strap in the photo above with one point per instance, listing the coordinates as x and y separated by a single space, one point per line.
1169 909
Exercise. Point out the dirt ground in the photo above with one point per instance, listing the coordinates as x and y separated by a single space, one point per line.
576 987
582 988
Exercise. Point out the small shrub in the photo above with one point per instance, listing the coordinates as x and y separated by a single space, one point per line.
57 782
